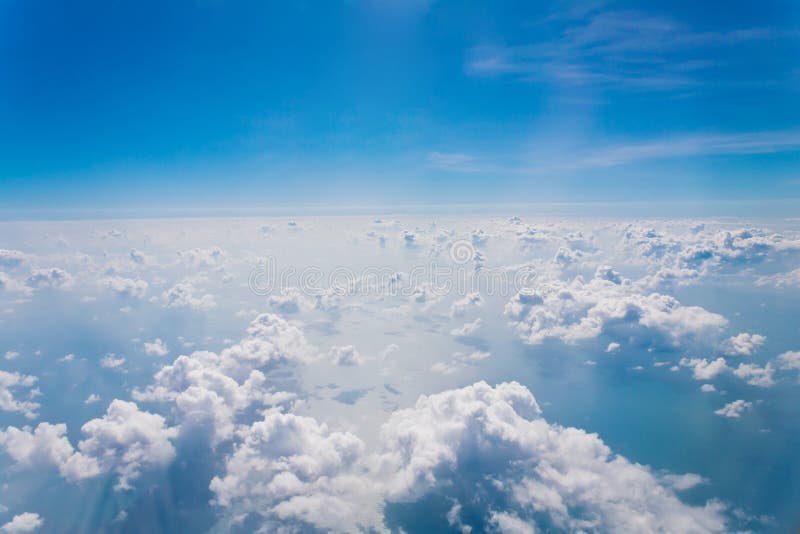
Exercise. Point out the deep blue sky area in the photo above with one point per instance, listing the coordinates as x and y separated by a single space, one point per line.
208 104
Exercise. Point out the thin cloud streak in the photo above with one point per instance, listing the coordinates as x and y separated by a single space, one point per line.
740 144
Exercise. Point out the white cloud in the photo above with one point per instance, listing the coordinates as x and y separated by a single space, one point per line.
210 389
734 409
92 398
11 258
346 355
703 369
156 348
743 344
789 360
708 388
48 445
109 361
25 522
461 306
52 278
11 355
578 310
467 329
289 468
127 440
125 287
510 523
8 402
755 375
183 295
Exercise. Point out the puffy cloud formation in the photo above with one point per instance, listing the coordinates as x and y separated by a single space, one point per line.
9 284
292 469
577 310
461 306
755 375
703 369
109 361
48 445
210 389
788 279
127 440
11 258
183 295
743 344
156 348
346 355
467 329
52 278
561 476
25 522
789 360
734 409
202 257
125 287
8 402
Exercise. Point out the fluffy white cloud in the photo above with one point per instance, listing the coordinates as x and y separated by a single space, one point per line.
210 389
52 278
11 258
743 344
109 361
703 369
127 440
346 355
564 474
8 402
734 409
183 295
25 522
156 348
48 445
293 469
789 360
125 287
578 310
467 329
755 375
461 306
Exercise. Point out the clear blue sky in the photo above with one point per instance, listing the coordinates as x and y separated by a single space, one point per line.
365 102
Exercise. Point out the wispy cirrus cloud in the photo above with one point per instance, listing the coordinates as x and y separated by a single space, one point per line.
613 155
618 49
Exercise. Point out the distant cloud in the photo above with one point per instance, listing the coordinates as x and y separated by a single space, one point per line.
26 522
615 49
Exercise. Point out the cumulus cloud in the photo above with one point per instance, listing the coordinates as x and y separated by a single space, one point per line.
8 402
703 369
756 375
109 361
210 388
127 440
11 258
470 301
184 295
734 409
346 355
156 348
564 474
48 445
25 522
52 278
467 329
743 344
289 468
125 287
789 360
579 310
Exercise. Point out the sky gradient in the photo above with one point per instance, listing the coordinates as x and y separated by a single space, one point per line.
380 102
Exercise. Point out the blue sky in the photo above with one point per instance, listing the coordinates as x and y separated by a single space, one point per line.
379 102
